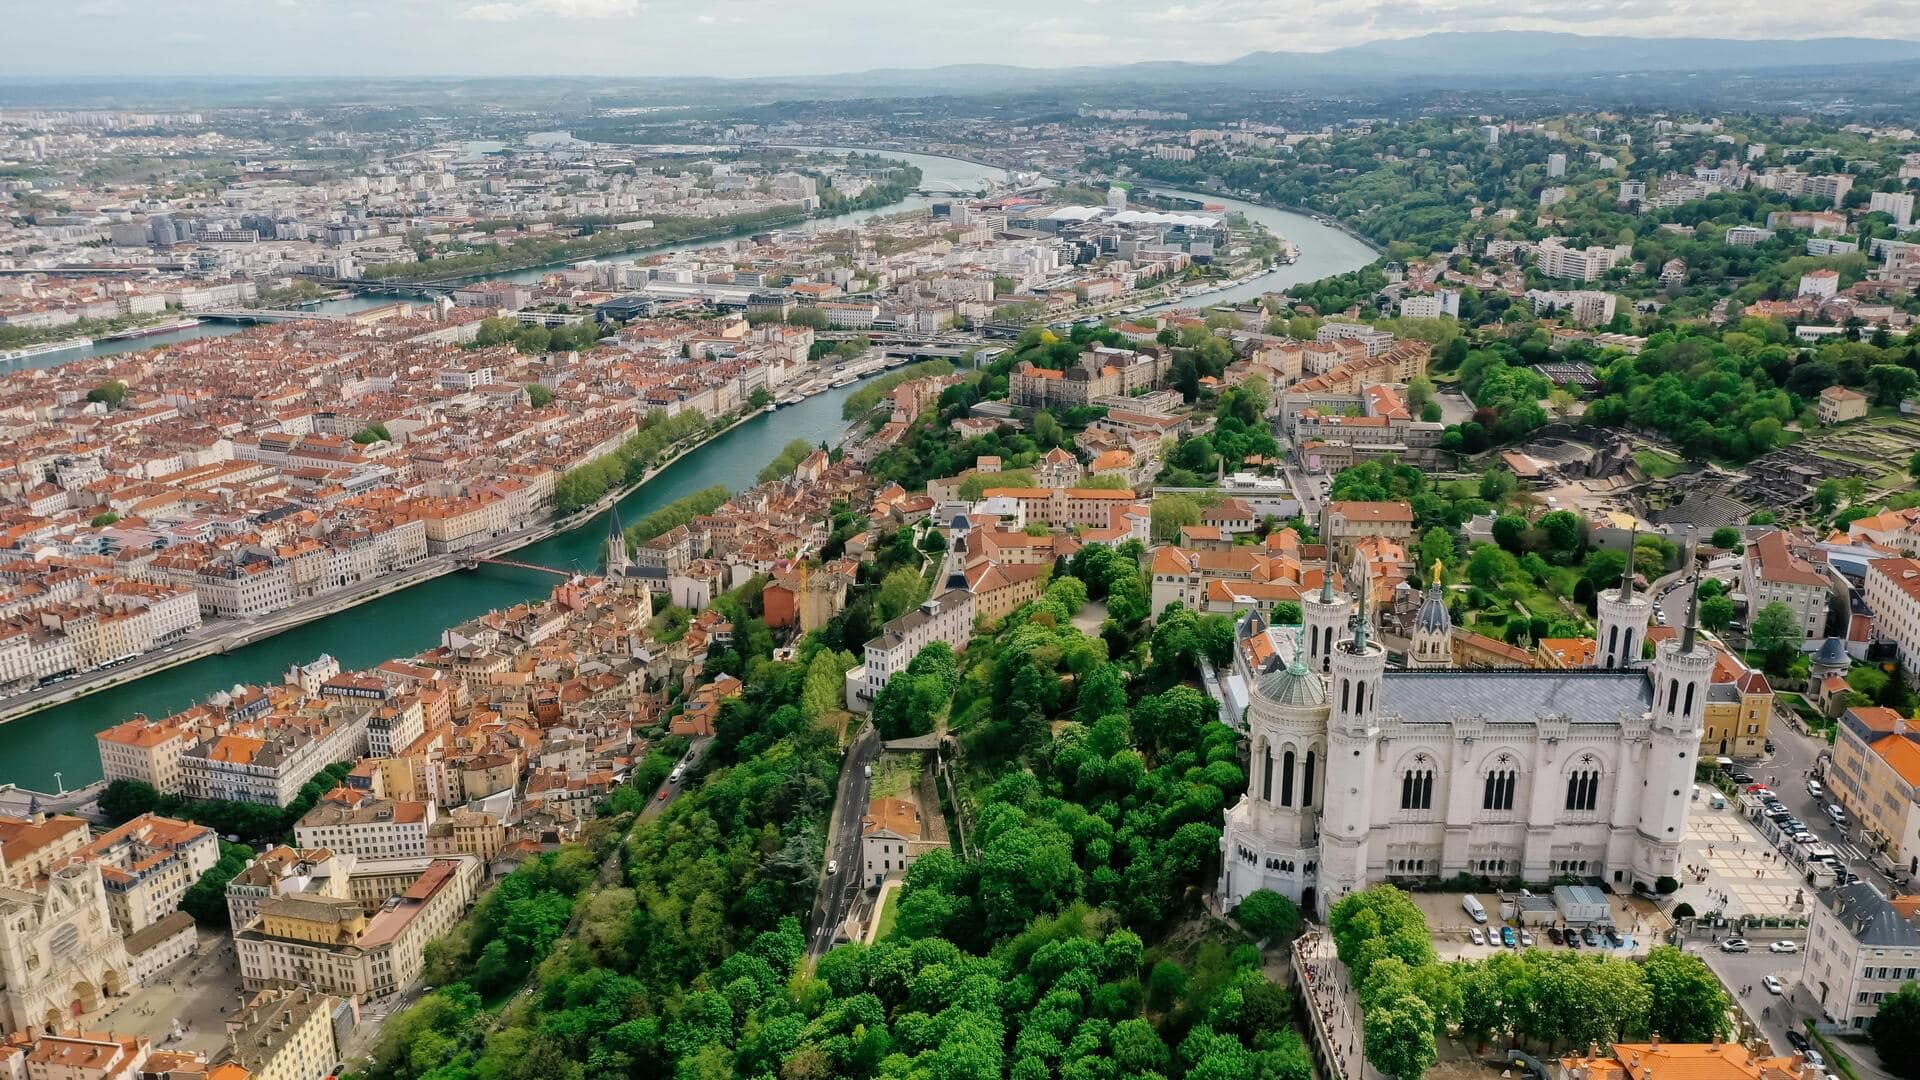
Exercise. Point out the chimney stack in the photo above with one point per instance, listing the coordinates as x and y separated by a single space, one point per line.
1656 1040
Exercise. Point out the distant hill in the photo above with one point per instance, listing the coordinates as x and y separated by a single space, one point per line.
1469 60
1478 57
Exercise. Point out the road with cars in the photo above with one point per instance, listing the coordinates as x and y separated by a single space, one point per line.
840 882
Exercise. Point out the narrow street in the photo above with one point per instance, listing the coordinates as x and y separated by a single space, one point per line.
839 890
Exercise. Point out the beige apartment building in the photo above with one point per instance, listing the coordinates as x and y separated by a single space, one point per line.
1893 592
283 871
284 1035
148 864
367 828
1349 522
458 524
1778 570
332 945
1876 776
1860 948
146 752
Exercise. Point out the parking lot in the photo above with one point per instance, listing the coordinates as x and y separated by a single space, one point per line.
1638 922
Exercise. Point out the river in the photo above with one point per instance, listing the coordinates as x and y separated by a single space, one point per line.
1324 250
60 739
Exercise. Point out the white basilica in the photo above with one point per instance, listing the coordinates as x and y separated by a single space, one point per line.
1360 775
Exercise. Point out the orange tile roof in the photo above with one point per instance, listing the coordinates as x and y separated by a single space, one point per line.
1902 754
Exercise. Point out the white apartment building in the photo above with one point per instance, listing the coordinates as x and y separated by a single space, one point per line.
1430 305
947 617
1377 341
1776 572
1820 284
1559 261
1859 950
1897 205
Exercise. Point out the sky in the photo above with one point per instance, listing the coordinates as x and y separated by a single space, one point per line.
811 37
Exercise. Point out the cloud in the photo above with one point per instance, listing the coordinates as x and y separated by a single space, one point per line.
515 10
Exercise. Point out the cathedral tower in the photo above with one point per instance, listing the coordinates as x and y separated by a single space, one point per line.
1682 674
1326 612
1269 840
1357 673
1624 615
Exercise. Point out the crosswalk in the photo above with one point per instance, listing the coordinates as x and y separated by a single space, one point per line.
1848 851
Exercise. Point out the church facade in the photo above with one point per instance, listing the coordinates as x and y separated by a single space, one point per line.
1360 775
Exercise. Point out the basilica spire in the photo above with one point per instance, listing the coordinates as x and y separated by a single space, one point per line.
1693 616
1626 579
1360 620
1326 560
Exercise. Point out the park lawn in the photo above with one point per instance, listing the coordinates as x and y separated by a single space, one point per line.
1655 464
889 914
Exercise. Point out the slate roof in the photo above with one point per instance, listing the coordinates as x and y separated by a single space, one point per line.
1514 697
1869 917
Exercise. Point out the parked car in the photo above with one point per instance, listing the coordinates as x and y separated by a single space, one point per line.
1815 1058
1734 945
1508 937
1797 1040
1614 939
1590 936
1526 940
1740 776
1772 983
663 795
1784 947
1573 938
1770 746
1553 934
1814 789
1476 936
833 867
1837 812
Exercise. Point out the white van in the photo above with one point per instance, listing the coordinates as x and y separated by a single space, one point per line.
674 776
1471 905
